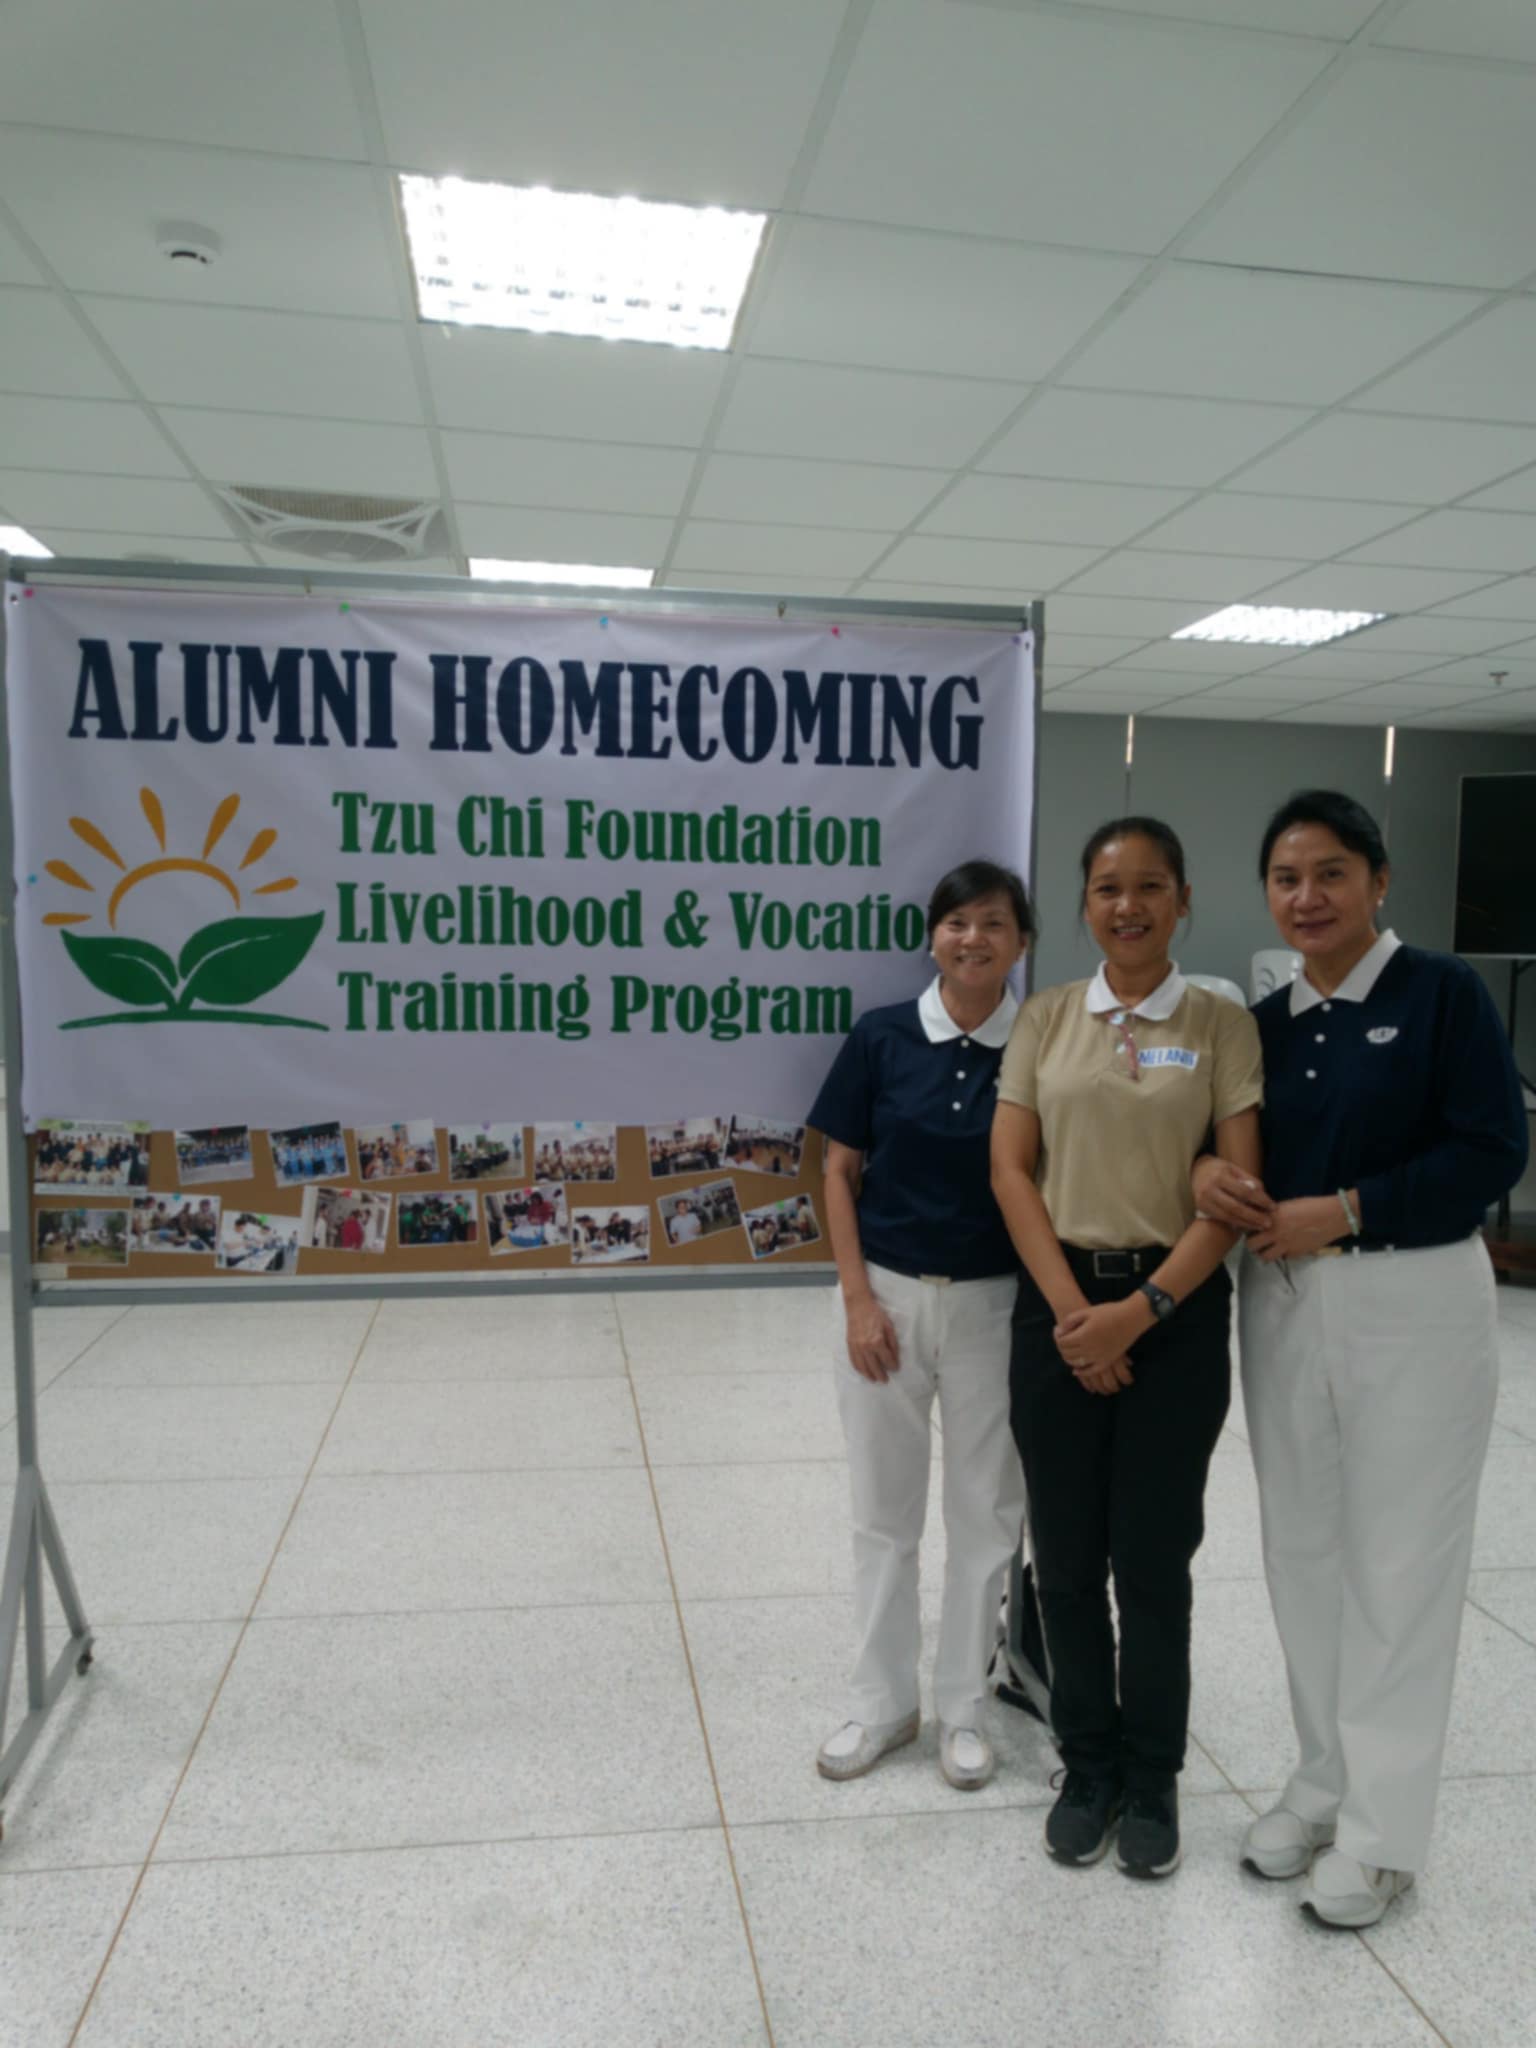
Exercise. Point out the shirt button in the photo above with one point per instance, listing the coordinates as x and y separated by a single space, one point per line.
955 1105
1311 1073
959 1073
1322 1038
965 1041
1327 1007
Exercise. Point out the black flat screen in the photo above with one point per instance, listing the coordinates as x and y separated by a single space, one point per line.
1495 903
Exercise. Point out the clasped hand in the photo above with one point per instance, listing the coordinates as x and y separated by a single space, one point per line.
1094 1343
1274 1230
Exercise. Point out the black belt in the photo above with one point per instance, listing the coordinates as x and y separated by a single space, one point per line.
1128 1265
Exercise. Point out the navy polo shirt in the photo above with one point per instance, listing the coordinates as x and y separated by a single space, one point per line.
919 1107
1408 1093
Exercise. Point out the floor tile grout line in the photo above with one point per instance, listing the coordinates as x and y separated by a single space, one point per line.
220 1683
698 1698
1499 1621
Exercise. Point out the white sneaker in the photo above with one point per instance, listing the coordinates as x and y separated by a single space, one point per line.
1343 1893
1281 1844
965 1758
854 1749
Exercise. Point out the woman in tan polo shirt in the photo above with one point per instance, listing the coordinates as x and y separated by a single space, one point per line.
1120 1372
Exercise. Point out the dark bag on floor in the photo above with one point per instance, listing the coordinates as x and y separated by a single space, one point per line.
1019 1673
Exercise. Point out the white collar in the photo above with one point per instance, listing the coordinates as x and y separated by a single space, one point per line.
1355 986
939 1026
1156 1008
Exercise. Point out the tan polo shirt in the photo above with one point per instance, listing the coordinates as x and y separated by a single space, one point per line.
1116 1152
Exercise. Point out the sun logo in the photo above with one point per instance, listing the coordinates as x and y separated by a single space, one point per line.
220 968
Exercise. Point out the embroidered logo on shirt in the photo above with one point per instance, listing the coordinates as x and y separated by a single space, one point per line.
1383 1034
1169 1056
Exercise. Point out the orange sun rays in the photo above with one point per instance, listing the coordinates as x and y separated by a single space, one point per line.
154 811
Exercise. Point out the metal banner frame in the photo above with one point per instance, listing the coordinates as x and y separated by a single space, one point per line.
35 1542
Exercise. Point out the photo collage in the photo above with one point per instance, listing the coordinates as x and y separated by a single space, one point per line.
240 1200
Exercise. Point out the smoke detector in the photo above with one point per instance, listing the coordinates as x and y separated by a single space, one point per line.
337 526
184 242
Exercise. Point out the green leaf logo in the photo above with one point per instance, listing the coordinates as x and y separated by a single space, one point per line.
241 958
132 970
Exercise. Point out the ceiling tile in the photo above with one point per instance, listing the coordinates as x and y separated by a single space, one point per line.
298 565
1401 169
1470 28
860 415
1112 438
1515 494
1481 674
516 535
1432 633
297 236
678 99
1199 658
1514 598
1029 508
777 550
1086 650
1452 540
1279 686
1147 572
1405 700
1088 706
931 127
84 434
1334 19
261 362
88 545
1482 373
1345 711
1363 455
1245 710
1352 664
1515 714
911 591
16 266
1232 522
509 469
111 504
43 349
1028 567
556 384
844 292
768 586
305 455
795 492
1151 617
266 78
1366 587
1207 332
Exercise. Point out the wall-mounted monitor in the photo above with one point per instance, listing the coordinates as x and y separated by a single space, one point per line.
1495 903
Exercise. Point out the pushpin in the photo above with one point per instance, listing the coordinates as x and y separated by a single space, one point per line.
346 607
602 619
836 630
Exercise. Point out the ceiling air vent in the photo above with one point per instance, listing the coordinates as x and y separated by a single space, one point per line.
337 526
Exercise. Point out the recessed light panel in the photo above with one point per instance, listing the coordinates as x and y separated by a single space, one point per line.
15 540
494 571
575 263
1276 625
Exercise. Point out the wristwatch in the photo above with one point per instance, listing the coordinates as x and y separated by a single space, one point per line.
1163 1303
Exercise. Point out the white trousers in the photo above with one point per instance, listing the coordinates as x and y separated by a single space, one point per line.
1370 1383
953 1342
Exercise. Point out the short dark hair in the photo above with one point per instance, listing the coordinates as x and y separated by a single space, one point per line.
974 878
1162 836
1350 823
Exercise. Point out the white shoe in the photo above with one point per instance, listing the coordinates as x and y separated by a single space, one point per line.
1343 1893
854 1749
965 1758
1281 1844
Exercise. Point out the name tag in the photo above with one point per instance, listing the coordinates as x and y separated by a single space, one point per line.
1169 1056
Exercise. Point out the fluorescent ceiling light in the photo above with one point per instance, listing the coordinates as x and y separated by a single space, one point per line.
15 540
574 263
494 571
1276 625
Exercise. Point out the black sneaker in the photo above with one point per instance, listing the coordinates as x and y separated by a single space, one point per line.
1081 1825
1149 1834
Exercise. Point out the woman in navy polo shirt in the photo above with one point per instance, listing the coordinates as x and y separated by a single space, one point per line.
1393 1119
926 1284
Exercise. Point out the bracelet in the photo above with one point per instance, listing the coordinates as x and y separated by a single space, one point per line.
1350 1212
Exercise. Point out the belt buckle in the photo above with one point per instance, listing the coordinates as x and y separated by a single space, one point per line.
1132 1265
936 1279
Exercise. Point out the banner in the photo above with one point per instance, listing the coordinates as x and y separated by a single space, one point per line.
281 859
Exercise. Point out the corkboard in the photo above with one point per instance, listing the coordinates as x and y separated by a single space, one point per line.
725 1250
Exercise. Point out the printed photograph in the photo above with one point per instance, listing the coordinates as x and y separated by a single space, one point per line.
694 1145
576 1151
528 1219
765 1144
782 1226
390 1151
701 1212
311 1152
486 1152
80 1158
438 1219
251 1243
611 1237
82 1237
173 1223
213 1155
345 1219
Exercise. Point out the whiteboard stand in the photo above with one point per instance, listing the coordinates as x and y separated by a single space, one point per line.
34 1543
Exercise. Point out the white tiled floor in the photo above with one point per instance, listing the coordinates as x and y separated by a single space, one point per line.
460 1673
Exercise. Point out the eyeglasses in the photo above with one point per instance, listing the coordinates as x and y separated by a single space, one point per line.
1121 1019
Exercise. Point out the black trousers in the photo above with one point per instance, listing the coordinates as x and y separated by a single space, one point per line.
1116 1485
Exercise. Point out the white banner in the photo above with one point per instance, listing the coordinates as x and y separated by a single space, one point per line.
282 859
